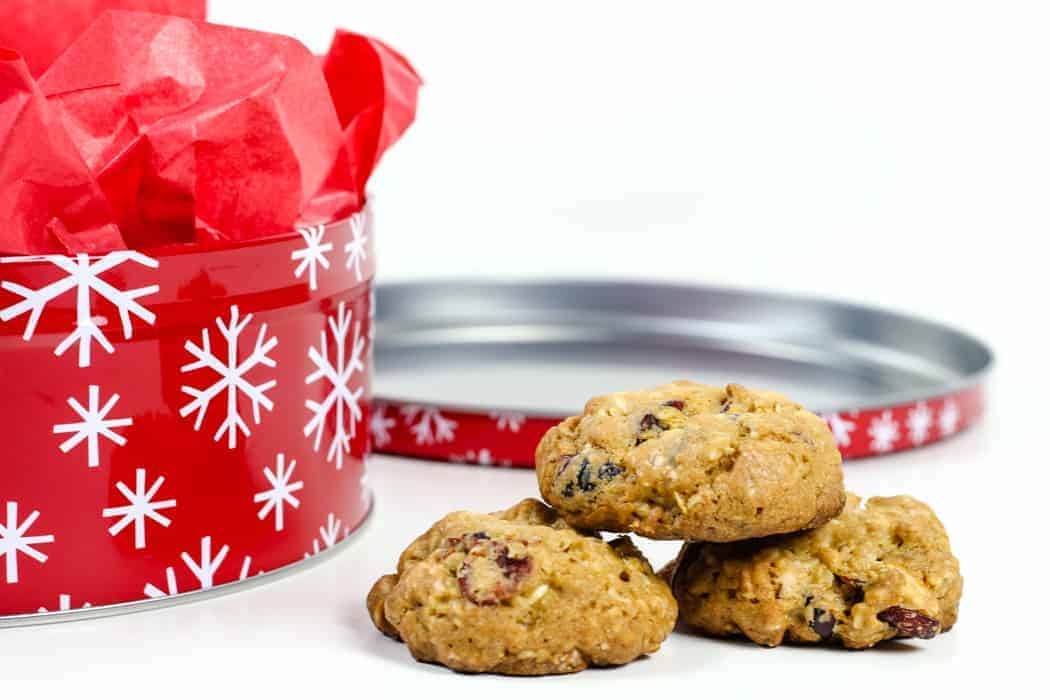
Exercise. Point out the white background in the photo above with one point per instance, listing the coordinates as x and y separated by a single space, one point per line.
895 153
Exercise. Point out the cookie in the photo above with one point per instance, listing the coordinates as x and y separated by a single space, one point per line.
687 461
520 592
876 572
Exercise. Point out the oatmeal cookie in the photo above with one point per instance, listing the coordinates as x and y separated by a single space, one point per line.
877 572
520 592
692 462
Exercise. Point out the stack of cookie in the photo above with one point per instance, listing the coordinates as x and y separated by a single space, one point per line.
751 483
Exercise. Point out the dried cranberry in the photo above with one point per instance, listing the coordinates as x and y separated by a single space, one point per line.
675 404
565 461
514 568
910 623
648 422
823 623
852 589
583 477
492 587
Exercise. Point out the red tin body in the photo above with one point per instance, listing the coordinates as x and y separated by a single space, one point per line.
181 418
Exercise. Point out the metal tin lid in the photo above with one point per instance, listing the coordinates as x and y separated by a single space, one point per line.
476 372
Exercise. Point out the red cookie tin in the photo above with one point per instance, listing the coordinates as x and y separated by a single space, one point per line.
182 419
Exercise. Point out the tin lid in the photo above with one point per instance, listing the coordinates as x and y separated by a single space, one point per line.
488 356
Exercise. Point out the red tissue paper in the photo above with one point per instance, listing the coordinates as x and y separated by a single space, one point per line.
194 132
41 29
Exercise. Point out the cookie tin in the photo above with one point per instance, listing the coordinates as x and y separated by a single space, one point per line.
478 372
182 420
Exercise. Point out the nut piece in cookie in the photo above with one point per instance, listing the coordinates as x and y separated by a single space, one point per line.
692 462
520 592
879 571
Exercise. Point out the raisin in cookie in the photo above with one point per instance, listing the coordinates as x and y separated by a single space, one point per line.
875 572
692 462
522 593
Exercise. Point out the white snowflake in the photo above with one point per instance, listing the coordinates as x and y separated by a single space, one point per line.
173 589
273 499
330 531
428 425
371 319
508 420
329 535
919 420
883 432
482 457
65 603
231 376
83 276
94 424
356 252
205 569
140 506
948 421
341 397
379 425
313 254
841 428
13 540
246 565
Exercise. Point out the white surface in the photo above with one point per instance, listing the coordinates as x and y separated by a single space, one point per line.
895 153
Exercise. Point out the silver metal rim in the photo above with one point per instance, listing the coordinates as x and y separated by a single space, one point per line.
397 331
29 619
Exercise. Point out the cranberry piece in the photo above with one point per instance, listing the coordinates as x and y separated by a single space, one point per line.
583 481
823 623
648 422
514 568
910 623
675 404
583 477
852 589
489 575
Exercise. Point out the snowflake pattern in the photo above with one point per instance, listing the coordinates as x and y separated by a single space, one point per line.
345 401
205 569
379 425
883 432
140 507
281 492
841 428
312 254
948 421
83 275
231 376
152 591
919 421
246 566
482 457
13 541
93 425
428 425
356 252
65 603
508 420
329 535
371 320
